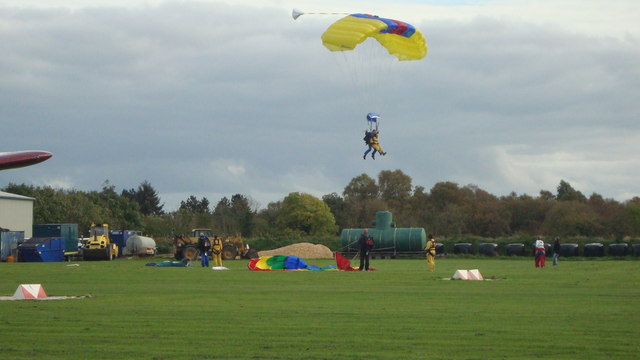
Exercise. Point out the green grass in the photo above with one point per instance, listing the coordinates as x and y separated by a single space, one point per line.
579 309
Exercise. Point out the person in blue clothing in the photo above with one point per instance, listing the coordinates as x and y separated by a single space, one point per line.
556 250
204 245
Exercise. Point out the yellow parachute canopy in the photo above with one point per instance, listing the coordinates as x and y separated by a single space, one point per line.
400 39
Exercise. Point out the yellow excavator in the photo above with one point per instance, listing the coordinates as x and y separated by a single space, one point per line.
187 246
99 246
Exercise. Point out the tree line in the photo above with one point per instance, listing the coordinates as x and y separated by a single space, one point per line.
447 210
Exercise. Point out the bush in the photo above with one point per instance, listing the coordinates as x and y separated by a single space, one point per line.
164 245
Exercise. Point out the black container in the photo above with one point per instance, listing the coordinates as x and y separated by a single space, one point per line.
488 249
568 250
618 249
636 249
463 248
440 249
594 250
515 249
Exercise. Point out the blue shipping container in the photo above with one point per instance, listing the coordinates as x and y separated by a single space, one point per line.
42 250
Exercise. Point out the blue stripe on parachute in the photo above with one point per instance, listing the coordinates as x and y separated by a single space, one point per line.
391 24
294 263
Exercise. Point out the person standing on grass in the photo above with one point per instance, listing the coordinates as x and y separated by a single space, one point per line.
365 242
540 254
431 253
204 245
556 250
216 249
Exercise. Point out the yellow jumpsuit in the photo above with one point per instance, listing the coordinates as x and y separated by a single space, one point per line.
216 250
431 254
375 145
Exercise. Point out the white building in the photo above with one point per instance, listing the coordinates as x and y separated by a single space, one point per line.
16 213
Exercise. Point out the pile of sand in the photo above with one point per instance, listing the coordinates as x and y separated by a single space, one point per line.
301 250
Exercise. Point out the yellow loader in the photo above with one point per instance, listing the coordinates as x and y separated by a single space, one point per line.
187 246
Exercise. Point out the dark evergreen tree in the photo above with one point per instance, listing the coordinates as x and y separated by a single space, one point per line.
147 197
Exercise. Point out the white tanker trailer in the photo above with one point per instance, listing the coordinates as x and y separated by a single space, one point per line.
138 245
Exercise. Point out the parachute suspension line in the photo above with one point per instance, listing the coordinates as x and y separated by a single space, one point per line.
295 13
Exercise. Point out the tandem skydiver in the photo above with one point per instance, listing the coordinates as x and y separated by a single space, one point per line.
371 139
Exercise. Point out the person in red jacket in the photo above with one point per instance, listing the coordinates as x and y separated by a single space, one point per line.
540 254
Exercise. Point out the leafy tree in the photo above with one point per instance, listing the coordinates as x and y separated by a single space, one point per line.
445 193
339 209
118 211
394 187
632 212
304 214
361 195
450 220
361 187
526 214
422 211
571 218
265 220
486 216
612 217
547 195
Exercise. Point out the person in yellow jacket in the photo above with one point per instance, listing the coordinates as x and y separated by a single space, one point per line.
371 138
431 253
216 249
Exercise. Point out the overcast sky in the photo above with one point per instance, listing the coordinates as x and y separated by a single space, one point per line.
214 98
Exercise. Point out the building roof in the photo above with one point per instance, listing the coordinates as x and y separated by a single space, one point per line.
6 195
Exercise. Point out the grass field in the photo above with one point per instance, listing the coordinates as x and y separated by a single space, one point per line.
577 310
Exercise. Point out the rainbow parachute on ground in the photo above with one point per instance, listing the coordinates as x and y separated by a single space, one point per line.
294 263
284 262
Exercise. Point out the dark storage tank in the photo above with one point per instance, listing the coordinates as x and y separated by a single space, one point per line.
636 249
388 239
594 250
568 250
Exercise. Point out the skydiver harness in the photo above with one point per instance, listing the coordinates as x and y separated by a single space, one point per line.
367 137
217 246
431 248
